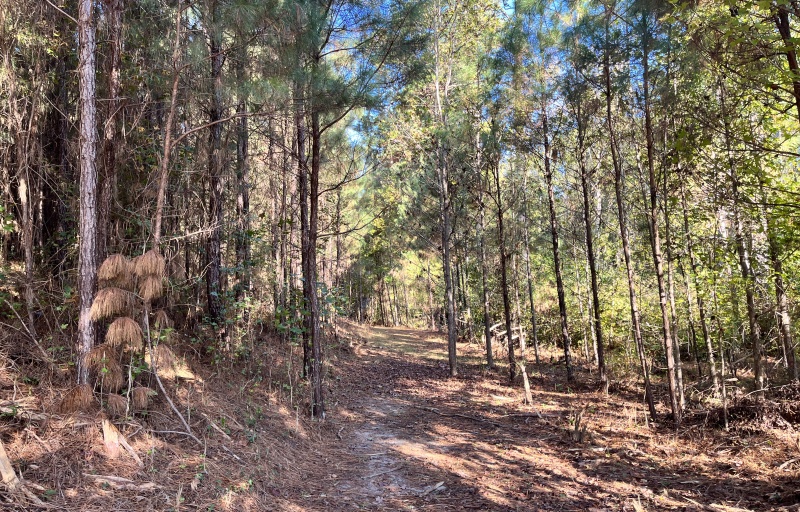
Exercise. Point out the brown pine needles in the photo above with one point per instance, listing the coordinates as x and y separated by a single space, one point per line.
151 288
125 332
140 397
114 267
116 405
162 320
109 302
149 264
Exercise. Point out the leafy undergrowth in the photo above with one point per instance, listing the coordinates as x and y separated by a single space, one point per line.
399 435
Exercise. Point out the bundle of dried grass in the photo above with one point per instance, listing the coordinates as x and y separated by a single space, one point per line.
150 288
77 399
126 282
164 357
115 268
150 264
97 358
111 301
109 376
116 405
125 332
163 321
140 397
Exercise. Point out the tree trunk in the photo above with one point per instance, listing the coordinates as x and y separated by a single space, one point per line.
444 213
168 133
487 318
534 327
745 265
213 245
113 11
623 226
655 242
587 222
242 188
498 199
87 267
430 299
317 398
790 44
701 307
562 303
781 298
305 252
671 287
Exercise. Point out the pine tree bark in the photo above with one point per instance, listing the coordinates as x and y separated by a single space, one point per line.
242 238
87 252
487 319
213 244
318 400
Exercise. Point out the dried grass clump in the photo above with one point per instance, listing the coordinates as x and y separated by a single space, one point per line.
116 405
97 358
114 267
151 288
150 264
77 399
124 332
109 375
164 357
140 397
163 321
111 301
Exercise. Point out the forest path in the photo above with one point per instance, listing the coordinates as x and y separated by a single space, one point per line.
409 437
403 435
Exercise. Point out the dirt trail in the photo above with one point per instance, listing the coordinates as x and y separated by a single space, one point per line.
408 437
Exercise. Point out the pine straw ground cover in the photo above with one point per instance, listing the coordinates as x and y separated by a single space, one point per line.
255 445
400 435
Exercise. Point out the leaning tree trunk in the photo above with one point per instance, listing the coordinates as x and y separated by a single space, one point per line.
623 228
87 268
562 303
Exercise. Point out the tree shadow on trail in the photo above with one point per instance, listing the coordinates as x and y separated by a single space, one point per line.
470 436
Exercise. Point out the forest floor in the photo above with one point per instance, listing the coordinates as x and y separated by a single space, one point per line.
400 434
